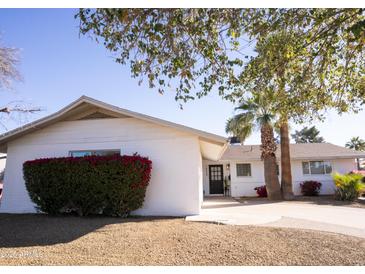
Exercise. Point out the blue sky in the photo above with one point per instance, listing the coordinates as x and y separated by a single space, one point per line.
58 66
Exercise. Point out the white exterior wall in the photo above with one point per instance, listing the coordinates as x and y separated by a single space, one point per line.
244 186
175 186
338 165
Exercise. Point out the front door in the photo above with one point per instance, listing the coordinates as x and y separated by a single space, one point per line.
215 179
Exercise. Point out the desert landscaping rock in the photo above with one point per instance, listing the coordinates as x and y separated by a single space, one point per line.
44 240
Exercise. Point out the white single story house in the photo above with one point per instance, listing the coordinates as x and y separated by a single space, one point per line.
88 126
242 168
186 163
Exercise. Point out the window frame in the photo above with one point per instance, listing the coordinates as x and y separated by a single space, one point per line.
93 152
250 173
314 174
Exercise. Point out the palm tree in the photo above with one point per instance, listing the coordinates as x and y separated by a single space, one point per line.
255 112
286 176
357 144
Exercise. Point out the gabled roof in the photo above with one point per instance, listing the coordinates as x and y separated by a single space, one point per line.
82 103
308 151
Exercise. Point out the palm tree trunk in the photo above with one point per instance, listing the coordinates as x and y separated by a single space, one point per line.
268 148
271 178
358 163
286 177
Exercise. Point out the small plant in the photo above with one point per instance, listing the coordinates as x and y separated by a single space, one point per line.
261 191
310 188
227 185
348 186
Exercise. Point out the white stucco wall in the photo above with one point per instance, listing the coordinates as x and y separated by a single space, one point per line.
175 187
244 186
338 165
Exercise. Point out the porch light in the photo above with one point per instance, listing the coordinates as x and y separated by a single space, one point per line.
228 166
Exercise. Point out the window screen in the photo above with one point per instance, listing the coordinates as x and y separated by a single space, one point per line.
316 167
305 166
243 169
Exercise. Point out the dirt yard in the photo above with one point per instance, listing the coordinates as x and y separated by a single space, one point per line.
43 240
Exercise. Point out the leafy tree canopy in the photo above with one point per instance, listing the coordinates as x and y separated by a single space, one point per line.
328 49
307 135
191 46
312 58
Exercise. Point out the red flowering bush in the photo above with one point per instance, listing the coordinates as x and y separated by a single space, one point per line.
310 188
261 191
109 185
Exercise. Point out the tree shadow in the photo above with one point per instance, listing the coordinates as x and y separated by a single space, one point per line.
330 200
224 202
24 230
316 200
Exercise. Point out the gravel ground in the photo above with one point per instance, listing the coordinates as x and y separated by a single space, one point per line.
43 240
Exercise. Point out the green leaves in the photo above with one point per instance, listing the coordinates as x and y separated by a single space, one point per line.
307 135
189 46
356 143
312 59
109 185
348 186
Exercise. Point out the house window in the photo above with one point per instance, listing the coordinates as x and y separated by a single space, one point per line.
243 170
105 152
316 167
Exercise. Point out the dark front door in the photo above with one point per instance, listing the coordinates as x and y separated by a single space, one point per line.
216 179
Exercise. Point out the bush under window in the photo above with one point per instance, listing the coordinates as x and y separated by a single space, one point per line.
261 191
310 188
108 185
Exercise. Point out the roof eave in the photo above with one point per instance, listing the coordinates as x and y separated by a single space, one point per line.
13 134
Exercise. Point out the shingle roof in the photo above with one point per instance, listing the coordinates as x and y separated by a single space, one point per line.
319 151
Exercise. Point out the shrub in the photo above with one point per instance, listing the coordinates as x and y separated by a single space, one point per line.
261 191
109 185
348 186
310 188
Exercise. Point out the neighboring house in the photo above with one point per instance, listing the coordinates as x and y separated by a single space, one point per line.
186 163
2 168
243 165
88 126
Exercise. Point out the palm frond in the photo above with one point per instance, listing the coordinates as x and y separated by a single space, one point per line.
247 105
241 125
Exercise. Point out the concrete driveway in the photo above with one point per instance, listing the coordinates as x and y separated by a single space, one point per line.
293 214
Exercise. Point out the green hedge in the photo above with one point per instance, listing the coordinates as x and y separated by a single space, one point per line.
109 185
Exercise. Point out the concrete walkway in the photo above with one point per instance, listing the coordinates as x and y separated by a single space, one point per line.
293 214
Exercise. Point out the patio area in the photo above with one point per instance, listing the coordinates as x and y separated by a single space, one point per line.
290 214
